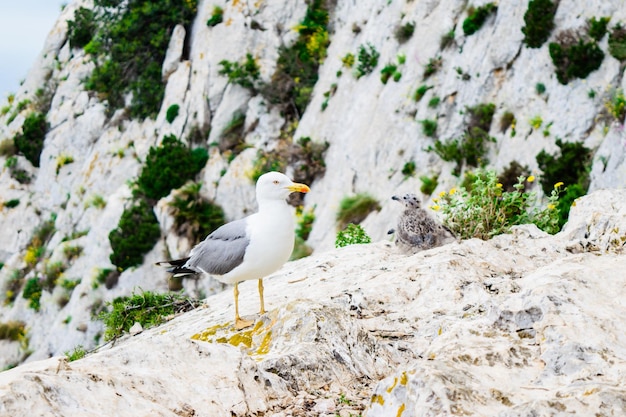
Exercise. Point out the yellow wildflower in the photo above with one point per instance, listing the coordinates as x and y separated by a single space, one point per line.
499 185
435 200
435 207
452 191
530 178
442 194
551 206
558 184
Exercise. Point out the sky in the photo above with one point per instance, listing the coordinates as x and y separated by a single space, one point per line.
24 26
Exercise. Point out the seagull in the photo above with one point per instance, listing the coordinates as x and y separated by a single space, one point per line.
417 230
249 248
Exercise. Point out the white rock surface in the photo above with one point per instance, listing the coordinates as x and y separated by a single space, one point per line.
514 326
373 129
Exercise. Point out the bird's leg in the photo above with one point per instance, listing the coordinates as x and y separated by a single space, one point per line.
262 310
239 323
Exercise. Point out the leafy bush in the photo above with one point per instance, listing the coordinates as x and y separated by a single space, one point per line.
509 177
32 293
12 330
232 137
172 113
617 43
246 74
476 17
487 210
128 50
169 166
12 203
574 57
367 58
539 22
616 105
596 28
194 216
148 308
82 29
355 209
136 233
421 90
447 39
507 120
408 170
471 148
77 353
404 32
297 66
353 234
429 127
434 102
429 184
569 166
30 141
217 16
390 70
432 66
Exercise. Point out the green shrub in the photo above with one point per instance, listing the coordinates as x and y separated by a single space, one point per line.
540 88
429 184
355 209
266 162
52 272
148 309
404 32
616 106
13 331
429 127
194 216
487 210
136 233
434 102
30 142
128 50
77 353
432 66
510 176
408 170
169 166
353 234
172 113
471 148
617 43
596 28
421 90
246 74
569 166
574 58
297 66
82 29
367 58
447 39
217 16
539 22
476 17
390 70
12 203
32 293
305 222
232 137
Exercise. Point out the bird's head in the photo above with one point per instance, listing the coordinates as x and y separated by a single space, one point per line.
277 186
409 200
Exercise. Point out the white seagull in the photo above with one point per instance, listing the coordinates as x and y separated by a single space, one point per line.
249 248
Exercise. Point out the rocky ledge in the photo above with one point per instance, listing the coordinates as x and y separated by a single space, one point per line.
523 324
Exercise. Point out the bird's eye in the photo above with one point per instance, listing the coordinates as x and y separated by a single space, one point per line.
276 182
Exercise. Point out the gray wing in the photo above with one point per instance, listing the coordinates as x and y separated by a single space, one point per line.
222 251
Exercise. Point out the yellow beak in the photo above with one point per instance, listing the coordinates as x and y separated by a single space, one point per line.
300 188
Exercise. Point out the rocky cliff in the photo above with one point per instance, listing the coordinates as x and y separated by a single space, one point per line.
381 122
523 324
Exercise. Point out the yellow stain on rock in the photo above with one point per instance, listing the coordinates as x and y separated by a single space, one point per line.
377 398
404 379
395 382
400 410
225 333
264 347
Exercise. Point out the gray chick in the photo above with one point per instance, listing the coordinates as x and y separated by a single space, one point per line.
417 230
